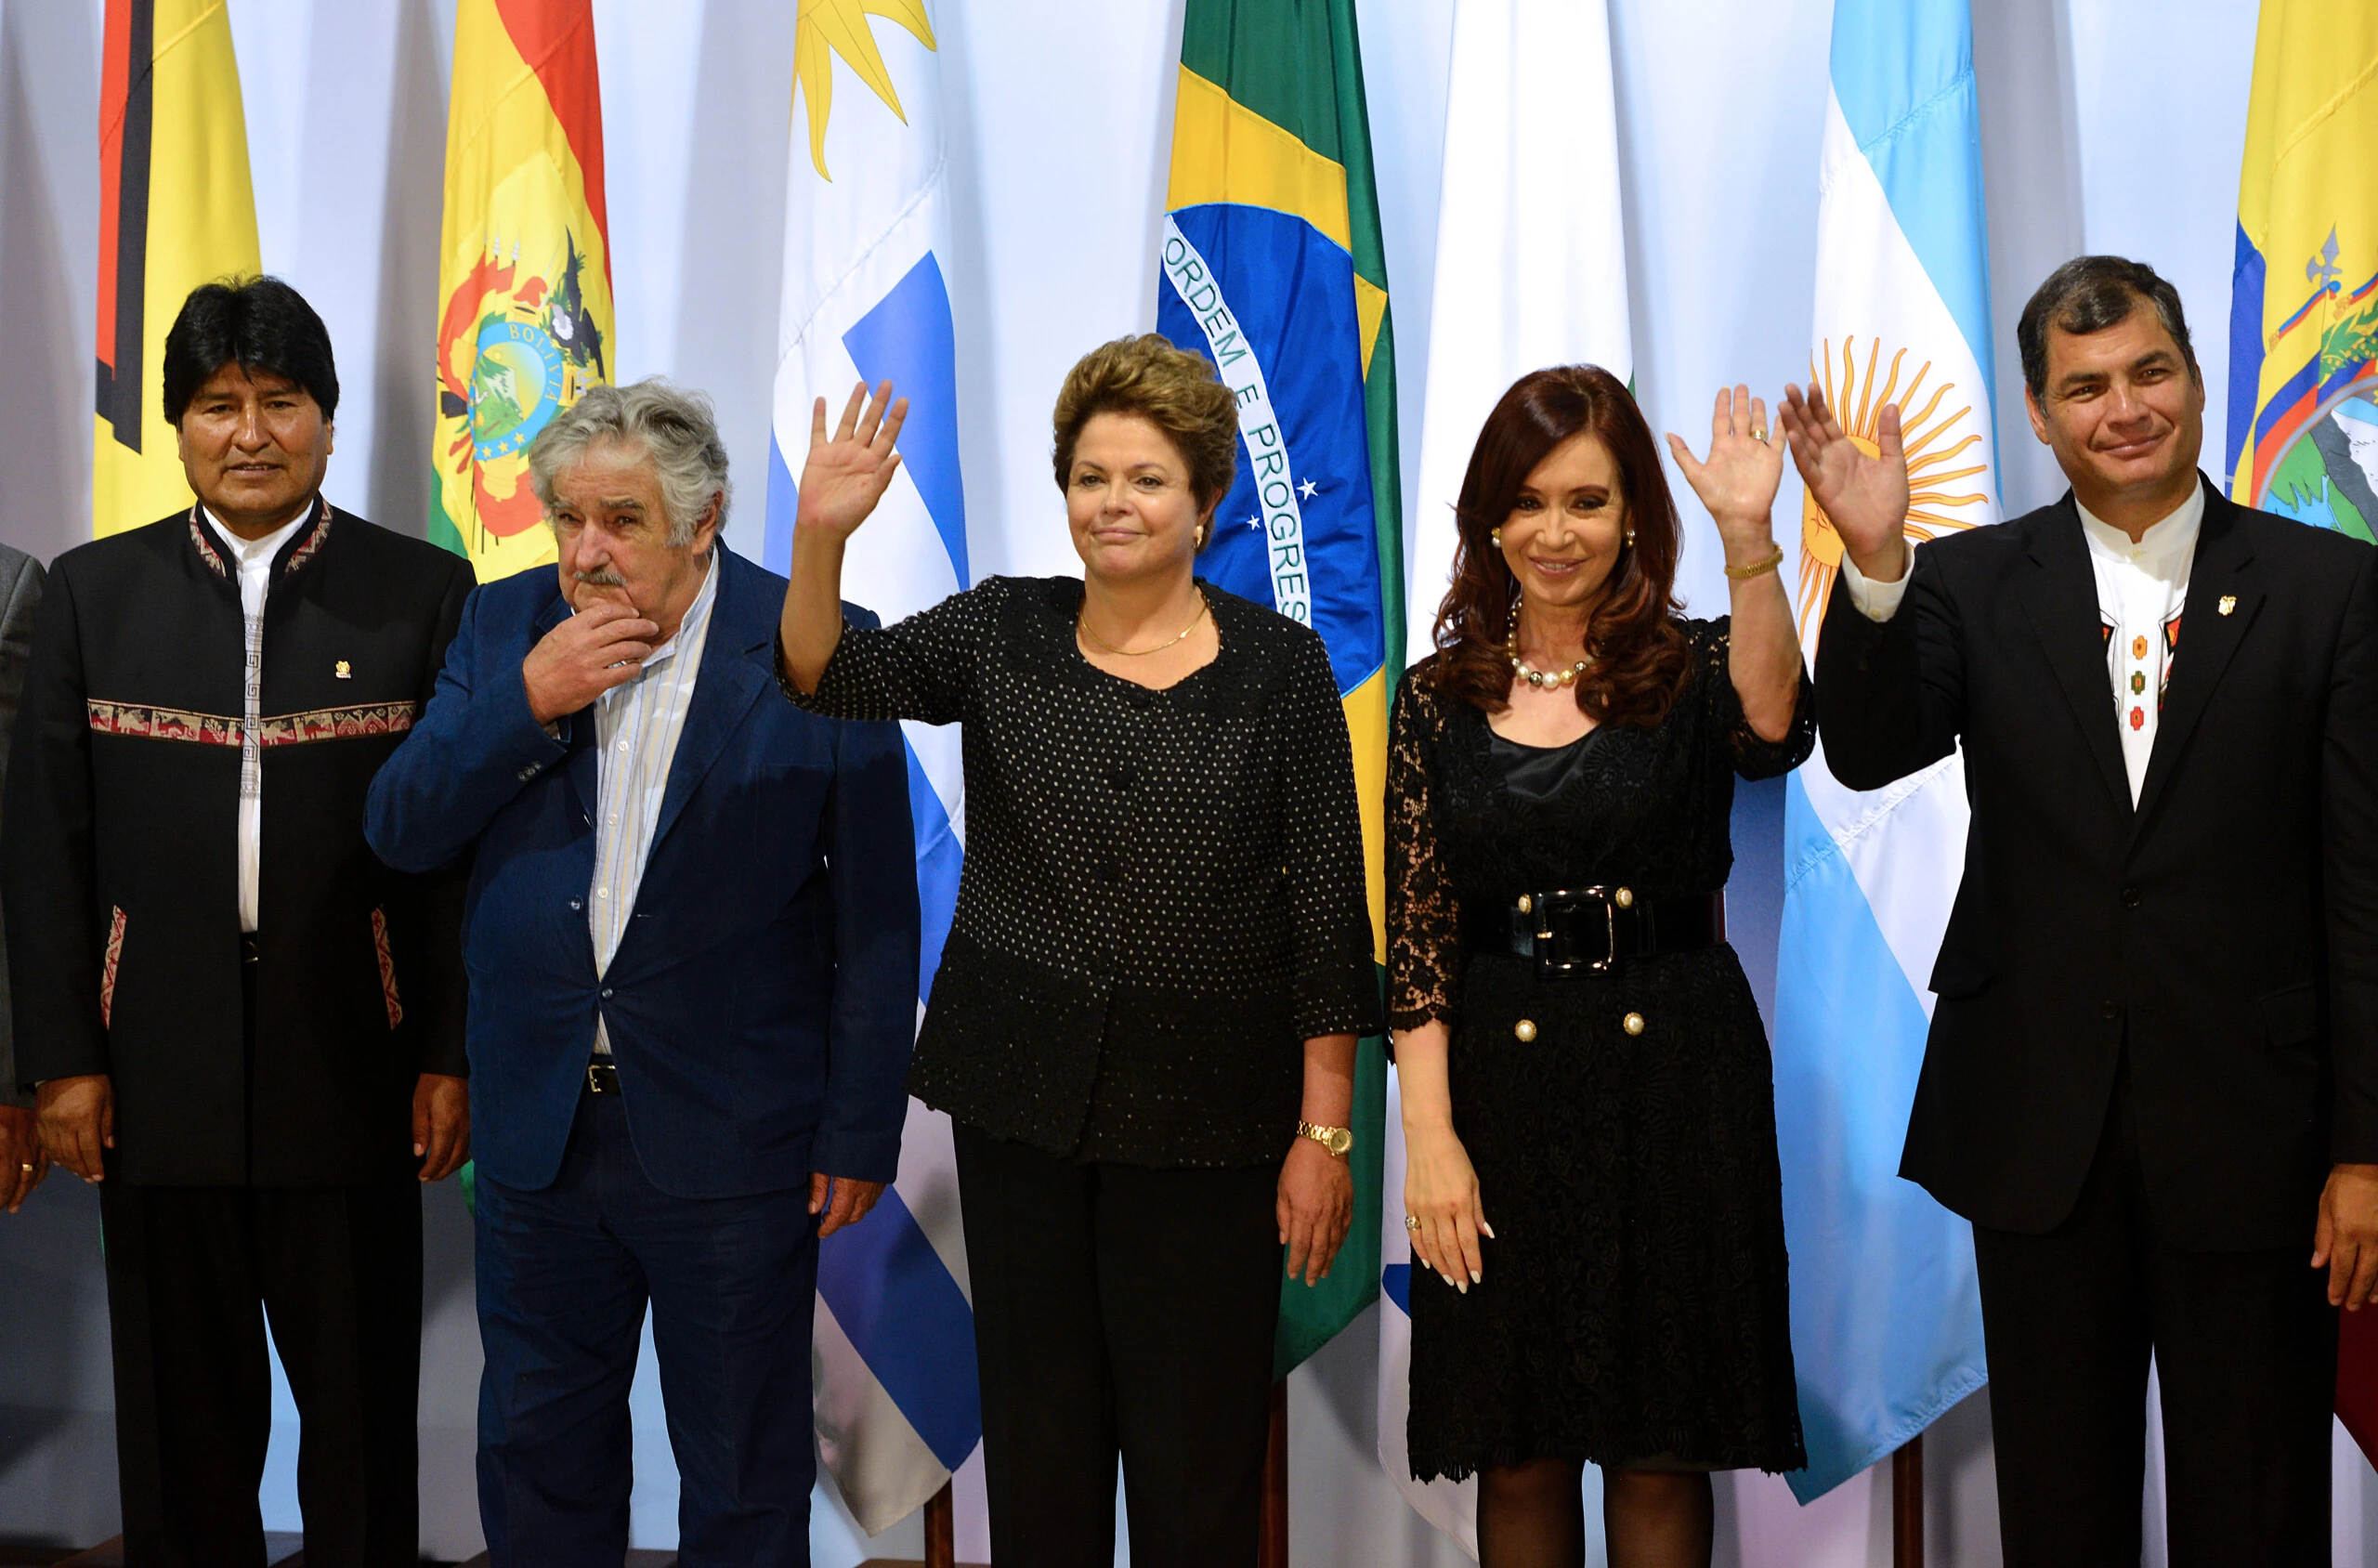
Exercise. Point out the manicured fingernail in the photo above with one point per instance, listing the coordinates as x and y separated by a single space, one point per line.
1486 1230
1460 1286
1477 1279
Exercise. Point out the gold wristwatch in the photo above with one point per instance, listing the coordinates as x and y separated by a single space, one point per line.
1337 1140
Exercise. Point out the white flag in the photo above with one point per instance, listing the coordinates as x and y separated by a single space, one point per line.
1531 271
1530 255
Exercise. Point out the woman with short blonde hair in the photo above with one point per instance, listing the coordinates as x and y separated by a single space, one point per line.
1144 1019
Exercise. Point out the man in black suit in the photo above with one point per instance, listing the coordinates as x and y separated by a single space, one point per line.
2152 1078
238 1021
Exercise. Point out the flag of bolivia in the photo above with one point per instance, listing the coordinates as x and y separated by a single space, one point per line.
1272 266
524 282
176 211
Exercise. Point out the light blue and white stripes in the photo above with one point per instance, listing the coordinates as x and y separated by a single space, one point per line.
1885 1323
864 298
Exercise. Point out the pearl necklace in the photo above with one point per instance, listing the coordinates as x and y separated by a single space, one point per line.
1523 670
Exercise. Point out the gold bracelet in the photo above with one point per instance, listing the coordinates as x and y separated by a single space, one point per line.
1743 574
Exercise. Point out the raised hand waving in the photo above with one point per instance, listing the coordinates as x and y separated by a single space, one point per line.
847 473
1865 497
1737 480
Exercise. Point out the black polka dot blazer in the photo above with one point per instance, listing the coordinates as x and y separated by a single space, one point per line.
1162 895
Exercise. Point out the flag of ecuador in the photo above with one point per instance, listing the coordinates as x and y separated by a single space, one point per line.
2304 306
524 282
176 211
1273 266
2304 345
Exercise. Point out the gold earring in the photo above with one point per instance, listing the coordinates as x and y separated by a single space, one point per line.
1630 539
1496 539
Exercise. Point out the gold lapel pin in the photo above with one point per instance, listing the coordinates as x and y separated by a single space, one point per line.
342 671
2229 602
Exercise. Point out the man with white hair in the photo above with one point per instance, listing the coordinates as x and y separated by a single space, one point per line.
692 941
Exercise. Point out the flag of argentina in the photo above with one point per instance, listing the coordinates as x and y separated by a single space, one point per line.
866 299
1886 1321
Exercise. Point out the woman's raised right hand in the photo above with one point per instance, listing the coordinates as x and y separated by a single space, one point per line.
847 473
1441 1191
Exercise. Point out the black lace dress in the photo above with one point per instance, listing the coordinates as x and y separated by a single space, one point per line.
1634 1305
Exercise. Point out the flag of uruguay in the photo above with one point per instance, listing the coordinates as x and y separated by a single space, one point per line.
1885 1323
866 299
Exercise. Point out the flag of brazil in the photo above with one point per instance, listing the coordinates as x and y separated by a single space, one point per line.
1272 266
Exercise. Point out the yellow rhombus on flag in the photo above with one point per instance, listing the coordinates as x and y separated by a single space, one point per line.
176 211
524 282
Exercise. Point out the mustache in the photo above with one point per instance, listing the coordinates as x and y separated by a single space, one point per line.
599 579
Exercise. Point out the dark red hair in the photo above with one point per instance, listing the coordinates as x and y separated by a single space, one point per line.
1640 657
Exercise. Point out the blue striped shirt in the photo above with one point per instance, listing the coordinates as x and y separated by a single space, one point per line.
636 724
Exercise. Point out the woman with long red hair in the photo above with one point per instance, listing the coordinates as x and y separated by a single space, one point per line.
1588 1107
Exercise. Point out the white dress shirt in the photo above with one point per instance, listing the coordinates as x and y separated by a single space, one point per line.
637 726
253 559
2142 587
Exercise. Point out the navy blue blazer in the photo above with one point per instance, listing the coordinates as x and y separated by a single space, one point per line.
764 1000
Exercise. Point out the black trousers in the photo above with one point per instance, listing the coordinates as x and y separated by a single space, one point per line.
2244 1345
1120 1308
191 1274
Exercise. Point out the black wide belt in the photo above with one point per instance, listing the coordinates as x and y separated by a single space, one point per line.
1571 931
602 1075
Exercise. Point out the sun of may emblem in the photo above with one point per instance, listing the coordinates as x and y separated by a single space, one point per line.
828 27
1924 428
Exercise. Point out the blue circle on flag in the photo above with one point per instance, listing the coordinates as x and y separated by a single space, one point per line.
515 388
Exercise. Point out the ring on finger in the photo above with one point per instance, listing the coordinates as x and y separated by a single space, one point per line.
1411 1222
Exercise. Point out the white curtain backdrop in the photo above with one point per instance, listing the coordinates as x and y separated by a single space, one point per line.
2108 124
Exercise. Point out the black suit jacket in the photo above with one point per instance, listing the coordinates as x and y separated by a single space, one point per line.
119 853
20 603
2226 929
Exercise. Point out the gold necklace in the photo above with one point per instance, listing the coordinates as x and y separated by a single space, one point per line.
1523 670
1083 626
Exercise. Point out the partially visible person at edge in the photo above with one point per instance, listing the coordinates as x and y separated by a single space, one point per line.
692 941
242 1025
1588 1109
1144 1021
24 1162
2151 1082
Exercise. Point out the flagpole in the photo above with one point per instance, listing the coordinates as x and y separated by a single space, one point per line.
1907 1504
1272 1544
941 1530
